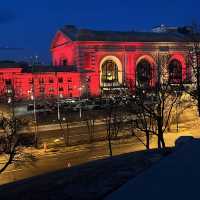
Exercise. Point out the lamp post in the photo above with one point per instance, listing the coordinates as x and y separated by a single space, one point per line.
58 111
58 105
11 100
11 95
80 108
32 97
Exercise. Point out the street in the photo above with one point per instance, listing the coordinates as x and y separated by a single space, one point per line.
57 160
38 162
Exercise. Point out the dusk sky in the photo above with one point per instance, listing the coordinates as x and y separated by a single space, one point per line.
32 24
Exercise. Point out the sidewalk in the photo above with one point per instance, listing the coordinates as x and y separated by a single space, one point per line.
175 177
55 126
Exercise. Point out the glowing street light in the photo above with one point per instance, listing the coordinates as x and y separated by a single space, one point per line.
80 108
32 97
58 106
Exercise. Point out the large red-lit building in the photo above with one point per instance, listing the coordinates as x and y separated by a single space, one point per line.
88 62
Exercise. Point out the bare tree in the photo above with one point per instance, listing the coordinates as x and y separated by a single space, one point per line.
64 127
156 101
108 127
89 118
9 140
193 63
144 122
114 122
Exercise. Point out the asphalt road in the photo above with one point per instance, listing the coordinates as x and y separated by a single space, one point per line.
76 134
60 160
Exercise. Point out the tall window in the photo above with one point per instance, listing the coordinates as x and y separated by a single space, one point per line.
41 80
60 80
51 89
69 80
109 71
42 90
144 73
175 72
61 89
51 80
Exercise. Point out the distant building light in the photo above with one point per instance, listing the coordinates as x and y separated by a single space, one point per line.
9 100
163 29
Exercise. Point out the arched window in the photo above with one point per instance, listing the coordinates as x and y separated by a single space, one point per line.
143 73
175 72
109 72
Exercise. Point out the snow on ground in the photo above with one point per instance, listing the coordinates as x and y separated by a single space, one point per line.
89 181
96 179
175 177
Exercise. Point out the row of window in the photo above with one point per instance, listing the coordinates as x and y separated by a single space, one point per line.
144 72
51 80
51 89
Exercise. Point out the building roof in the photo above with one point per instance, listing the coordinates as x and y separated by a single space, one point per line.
76 34
9 64
25 68
48 68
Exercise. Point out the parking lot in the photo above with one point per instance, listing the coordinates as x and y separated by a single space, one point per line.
67 109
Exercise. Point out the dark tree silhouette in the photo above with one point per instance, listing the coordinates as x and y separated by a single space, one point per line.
9 140
193 63
155 102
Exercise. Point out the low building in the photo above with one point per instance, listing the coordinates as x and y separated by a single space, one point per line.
27 82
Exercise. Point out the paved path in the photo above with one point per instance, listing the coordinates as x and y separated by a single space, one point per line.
49 127
175 177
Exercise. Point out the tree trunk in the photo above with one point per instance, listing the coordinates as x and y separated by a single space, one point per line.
63 133
161 142
110 146
92 136
198 101
109 138
66 135
198 86
147 140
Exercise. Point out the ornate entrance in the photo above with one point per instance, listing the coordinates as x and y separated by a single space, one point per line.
110 75
143 74
175 72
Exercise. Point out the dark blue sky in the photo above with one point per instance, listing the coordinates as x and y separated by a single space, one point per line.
31 24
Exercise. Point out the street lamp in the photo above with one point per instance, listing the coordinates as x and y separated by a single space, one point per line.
32 97
80 108
58 105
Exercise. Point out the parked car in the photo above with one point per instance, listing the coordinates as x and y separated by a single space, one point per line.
69 101
78 106
90 105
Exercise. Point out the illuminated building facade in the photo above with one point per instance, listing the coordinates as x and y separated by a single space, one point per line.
91 63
